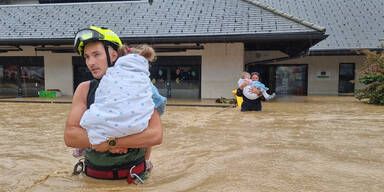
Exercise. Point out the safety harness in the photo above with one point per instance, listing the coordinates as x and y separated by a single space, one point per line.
128 171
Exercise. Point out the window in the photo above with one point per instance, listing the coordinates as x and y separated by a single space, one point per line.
21 76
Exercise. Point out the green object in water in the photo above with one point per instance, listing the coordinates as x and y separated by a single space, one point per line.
47 94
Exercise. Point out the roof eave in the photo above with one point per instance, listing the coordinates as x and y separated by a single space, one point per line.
261 37
342 52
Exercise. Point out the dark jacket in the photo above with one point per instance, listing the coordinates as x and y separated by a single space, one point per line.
249 105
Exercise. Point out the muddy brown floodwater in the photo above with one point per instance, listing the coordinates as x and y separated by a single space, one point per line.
296 144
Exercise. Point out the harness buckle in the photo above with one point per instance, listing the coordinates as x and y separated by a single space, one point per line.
134 175
79 167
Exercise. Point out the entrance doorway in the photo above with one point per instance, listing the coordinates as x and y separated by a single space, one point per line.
80 71
177 76
346 78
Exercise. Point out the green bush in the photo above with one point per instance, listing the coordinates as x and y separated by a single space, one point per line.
372 75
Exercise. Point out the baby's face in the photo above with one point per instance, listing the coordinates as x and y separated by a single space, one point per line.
247 76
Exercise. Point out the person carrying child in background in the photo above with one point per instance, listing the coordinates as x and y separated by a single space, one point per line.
254 82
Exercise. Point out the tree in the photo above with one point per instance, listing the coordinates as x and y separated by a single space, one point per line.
372 76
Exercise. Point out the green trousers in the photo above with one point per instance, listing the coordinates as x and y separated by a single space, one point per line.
110 159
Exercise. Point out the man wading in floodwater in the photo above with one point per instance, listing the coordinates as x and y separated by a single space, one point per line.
117 158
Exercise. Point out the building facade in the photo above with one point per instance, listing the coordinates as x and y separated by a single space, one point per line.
202 47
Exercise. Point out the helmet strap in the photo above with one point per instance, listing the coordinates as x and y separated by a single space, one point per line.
107 52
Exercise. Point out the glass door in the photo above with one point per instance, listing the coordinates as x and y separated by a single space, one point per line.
160 77
177 76
185 81
346 78
32 80
8 80
291 80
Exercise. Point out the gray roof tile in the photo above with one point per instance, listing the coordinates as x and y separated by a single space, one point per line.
349 23
139 19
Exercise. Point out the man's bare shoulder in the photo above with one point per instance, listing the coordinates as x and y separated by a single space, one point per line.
81 91
83 85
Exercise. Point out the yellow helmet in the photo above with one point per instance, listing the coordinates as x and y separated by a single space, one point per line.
93 33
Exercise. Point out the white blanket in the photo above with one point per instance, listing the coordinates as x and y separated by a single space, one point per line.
123 101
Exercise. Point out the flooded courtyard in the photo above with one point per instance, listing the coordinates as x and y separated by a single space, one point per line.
296 144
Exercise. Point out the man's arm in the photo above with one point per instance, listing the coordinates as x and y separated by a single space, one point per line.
74 134
152 135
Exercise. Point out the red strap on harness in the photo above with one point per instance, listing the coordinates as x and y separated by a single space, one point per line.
124 173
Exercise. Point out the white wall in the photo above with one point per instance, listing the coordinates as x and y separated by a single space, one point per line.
316 64
221 68
59 72
330 64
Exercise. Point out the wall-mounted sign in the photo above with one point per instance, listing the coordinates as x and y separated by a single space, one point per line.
323 75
